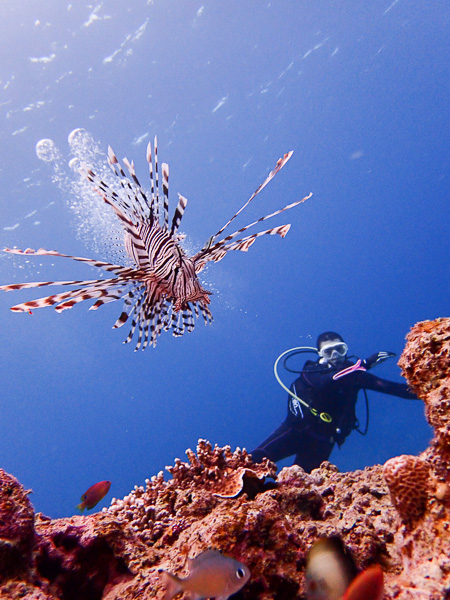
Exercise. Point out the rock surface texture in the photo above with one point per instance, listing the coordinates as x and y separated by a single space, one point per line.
396 515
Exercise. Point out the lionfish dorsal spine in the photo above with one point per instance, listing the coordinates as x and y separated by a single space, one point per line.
140 197
133 201
155 143
165 184
178 214
153 187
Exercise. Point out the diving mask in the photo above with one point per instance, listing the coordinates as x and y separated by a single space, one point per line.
327 350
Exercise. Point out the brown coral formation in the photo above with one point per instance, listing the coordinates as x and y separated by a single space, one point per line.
396 516
425 363
16 526
420 486
407 478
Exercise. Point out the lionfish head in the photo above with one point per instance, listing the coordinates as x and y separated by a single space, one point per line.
193 292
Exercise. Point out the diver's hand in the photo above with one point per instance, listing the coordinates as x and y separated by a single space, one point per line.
377 358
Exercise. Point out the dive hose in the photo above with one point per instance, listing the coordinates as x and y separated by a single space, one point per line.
325 417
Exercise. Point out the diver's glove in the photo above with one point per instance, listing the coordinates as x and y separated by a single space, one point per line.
376 359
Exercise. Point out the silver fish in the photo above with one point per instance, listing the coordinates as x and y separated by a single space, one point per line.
211 575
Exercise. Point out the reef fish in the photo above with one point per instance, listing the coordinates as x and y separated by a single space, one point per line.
329 570
161 290
211 575
93 495
368 585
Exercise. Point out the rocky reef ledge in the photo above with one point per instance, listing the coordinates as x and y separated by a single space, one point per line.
396 515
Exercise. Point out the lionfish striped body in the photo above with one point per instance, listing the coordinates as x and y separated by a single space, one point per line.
161 291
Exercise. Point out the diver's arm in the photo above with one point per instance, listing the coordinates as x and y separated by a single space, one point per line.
372 382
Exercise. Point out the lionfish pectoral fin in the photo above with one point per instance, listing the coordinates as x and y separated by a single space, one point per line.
106 266
280 164
218 250
208 244
30 251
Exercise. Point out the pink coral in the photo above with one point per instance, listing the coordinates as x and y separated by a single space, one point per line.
210 473
407 478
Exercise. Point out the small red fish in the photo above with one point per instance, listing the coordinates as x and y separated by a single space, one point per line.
368 585
94 494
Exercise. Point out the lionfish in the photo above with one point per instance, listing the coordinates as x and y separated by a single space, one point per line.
162 290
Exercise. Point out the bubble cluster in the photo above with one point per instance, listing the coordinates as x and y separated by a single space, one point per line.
97 226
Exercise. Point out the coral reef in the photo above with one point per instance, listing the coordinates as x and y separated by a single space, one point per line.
396 515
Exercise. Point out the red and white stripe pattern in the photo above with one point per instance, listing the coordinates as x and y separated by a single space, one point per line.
161 291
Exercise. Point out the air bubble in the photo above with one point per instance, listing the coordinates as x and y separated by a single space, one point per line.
75 164
77 136
47 151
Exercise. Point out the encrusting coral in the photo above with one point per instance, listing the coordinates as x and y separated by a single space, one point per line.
396 515
16 526
407 478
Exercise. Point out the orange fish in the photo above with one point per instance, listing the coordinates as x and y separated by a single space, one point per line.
368 585
94 494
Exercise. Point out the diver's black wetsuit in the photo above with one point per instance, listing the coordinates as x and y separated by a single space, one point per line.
309 437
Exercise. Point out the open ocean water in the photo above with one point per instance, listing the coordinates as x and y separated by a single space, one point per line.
359 90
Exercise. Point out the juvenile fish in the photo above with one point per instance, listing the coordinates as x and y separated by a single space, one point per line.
211 575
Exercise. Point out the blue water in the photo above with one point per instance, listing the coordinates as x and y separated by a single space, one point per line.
357 89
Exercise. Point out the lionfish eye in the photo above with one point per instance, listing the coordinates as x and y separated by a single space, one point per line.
240 573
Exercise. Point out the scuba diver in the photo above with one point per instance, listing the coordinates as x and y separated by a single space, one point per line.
321 403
